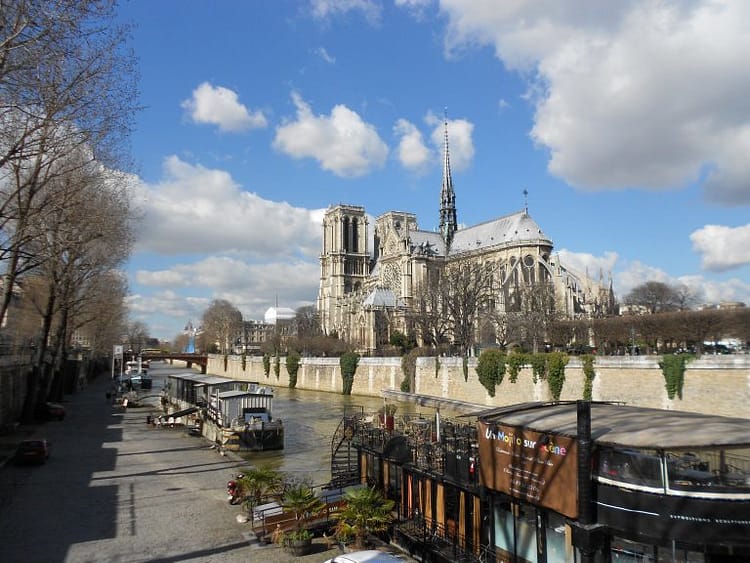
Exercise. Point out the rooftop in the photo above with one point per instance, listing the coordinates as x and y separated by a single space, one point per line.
626 425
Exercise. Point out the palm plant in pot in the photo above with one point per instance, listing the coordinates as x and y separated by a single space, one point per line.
365 512
300 500
260 485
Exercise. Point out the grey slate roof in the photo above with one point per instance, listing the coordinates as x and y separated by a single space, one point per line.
514 229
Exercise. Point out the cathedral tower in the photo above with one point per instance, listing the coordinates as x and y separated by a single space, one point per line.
448 223
344 262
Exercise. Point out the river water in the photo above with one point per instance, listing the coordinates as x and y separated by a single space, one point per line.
310 420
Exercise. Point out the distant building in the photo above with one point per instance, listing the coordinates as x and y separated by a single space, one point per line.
277 320
279 315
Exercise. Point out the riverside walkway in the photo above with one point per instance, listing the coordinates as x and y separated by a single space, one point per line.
115 489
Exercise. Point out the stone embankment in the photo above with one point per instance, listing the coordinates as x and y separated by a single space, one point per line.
712 384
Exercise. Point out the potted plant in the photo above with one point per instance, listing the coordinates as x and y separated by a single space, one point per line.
261 484
298 542
365 511
385 416
300 500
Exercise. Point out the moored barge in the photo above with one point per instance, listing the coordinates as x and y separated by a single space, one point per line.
236 415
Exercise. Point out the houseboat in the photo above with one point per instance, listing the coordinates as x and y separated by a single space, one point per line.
235 415
558 482
245 417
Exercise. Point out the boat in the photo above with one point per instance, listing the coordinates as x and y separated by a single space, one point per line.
236 415
246 419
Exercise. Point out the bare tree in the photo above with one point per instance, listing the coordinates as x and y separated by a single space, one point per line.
307 322
222 322
466 287
657 297
537 312
136 337
66 84
86 235
102 318
428 314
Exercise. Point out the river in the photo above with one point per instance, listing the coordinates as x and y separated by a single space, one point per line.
310 420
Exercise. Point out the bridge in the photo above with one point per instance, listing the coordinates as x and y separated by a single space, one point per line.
190 359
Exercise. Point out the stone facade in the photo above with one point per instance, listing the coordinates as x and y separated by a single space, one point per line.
713 384
365 295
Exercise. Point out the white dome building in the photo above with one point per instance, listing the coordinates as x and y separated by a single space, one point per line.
275 314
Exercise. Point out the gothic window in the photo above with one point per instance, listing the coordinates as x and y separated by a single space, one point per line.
345 233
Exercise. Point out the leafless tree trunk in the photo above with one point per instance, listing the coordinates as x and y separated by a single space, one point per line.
467 287
66 84
223 322
428 314
88 235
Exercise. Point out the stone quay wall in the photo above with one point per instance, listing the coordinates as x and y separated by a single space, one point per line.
712 384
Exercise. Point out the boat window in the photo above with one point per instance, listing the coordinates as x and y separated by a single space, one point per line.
638 467
627 551
720 469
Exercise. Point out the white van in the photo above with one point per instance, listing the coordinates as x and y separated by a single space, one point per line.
368 556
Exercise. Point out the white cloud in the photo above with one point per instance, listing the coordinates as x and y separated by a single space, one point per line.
200 210
412 152
251 287
722 248
416 7
645 93
635 273
167 303
460 142
161 278
715 292
220 106
323 9
342 142
323 54
709 291
585 263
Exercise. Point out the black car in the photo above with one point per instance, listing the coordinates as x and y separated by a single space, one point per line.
53 411
32 451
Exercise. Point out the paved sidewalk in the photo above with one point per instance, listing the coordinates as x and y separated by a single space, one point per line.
115 489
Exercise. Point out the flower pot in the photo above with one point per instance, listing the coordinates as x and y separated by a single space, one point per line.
386 421
299 548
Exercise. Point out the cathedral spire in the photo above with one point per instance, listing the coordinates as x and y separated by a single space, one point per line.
448 221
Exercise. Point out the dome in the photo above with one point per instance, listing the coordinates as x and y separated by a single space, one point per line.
274 314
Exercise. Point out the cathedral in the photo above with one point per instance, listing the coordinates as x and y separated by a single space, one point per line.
365 296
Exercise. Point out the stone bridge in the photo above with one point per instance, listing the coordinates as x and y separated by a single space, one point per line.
190 359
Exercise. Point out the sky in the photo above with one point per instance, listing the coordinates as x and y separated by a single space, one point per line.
627 124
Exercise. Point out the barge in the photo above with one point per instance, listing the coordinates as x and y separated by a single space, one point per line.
236 415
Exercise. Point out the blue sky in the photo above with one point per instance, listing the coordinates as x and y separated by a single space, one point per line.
628 124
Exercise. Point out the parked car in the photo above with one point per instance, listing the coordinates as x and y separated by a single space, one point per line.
369 556
54 411
32 451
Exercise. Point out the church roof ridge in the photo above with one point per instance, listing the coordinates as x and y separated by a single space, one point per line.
500 218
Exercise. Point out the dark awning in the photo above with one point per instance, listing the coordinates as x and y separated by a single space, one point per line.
183 412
